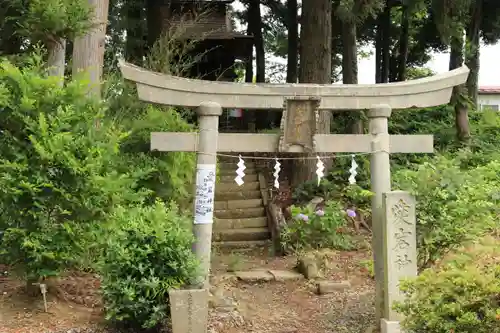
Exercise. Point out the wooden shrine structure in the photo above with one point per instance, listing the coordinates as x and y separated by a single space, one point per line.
208 23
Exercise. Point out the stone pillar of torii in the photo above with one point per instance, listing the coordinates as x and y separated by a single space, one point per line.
301 104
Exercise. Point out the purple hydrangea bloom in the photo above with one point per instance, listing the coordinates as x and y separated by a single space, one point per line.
351 213
320 212
302 217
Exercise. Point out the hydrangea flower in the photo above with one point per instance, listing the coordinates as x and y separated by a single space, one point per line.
351 213
320 212
302 217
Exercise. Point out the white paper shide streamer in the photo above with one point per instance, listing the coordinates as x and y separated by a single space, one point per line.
240 172
352 171
276 174
320 168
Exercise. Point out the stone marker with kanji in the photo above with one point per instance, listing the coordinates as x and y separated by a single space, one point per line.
301 104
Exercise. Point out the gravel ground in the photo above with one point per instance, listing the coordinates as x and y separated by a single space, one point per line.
272 307
356 314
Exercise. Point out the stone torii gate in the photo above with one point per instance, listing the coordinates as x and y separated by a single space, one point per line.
301 104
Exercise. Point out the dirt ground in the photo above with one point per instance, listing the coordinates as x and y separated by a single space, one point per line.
270 307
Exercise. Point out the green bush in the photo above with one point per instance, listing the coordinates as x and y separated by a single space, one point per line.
313 229
147 253
485 139
454 205
170 176
57 176
51 19
461 295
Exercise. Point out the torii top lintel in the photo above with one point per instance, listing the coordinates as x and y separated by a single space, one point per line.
172 90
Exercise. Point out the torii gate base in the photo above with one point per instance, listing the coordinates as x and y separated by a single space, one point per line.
393 213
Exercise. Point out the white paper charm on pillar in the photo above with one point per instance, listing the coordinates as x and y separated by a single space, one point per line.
240 172
320 168
352 171
276 174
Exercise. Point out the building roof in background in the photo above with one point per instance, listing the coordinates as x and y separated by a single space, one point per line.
199 1
485 90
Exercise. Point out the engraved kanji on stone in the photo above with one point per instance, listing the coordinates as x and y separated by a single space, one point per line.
401 242
401 212
402 260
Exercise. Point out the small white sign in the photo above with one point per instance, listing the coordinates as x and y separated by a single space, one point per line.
205 194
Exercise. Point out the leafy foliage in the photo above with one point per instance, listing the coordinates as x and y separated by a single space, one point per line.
352 196
453 205
168 176
461 295
148 252
311 228
48 20
56 169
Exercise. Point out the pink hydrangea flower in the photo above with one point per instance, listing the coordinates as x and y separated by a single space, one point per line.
320 212
302 217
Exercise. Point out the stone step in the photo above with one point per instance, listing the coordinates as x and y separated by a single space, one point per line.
236 245
240 213
238 204
246 234
230 178
254 222
233 187
232 172
242 195
232 165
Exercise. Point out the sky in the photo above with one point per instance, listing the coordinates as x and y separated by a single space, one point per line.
489 74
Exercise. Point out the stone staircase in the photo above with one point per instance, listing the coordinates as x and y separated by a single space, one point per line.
240 215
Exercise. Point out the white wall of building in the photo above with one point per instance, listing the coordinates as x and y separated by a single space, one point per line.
489 101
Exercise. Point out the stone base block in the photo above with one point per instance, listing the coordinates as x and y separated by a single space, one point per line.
189 310
387 326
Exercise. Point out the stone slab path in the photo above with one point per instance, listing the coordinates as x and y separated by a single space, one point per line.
268 295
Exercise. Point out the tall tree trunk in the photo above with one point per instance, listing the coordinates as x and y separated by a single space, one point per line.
259 43
472 55
315 42
293 42
88 50
315 66
56 62
10 41
378 51
393 63
262 118
458 100
350 70
249 62
134 46
403 43
386 43
249 70
154 21
250 115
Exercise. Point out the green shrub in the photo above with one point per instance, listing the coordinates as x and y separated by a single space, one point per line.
485 139
306 191
57 178
147 253
454 205
313 229
461 295
170 175
51 19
